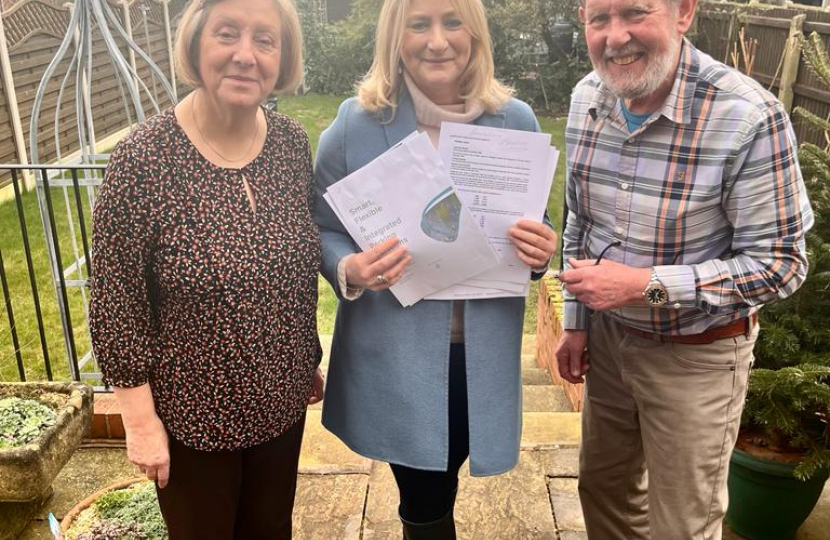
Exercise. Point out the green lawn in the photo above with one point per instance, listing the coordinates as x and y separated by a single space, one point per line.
315 112
11 245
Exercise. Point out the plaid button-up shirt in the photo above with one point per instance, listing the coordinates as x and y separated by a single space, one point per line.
707 191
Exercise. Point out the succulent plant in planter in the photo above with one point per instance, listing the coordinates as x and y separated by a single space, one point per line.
124 511
27 470
23 420
784 443
41 426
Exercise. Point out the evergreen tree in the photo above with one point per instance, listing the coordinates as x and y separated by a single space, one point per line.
789 390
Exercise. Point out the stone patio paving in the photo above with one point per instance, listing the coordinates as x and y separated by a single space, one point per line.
342 496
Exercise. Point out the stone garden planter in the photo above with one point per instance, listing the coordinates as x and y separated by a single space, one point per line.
26 473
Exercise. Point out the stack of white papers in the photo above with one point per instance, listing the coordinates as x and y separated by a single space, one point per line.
406 192
502 176
453 219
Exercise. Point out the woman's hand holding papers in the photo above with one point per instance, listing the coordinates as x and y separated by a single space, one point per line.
379 268
535 242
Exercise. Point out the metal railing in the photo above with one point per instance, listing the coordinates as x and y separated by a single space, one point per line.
66 263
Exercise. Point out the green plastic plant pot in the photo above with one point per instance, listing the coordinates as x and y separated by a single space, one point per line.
766 502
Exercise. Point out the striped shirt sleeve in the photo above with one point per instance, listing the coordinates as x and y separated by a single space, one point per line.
765 202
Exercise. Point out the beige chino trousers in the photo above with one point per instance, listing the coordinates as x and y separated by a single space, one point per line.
658 426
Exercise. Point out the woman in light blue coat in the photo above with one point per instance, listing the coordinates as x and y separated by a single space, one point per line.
425 386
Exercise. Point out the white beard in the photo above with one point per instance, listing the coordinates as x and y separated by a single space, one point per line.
632 86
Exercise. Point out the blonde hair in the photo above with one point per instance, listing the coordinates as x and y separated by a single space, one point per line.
379 88
189 34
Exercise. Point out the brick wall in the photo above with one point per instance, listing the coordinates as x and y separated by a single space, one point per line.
548 331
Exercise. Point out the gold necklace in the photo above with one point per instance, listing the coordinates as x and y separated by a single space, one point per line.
207 142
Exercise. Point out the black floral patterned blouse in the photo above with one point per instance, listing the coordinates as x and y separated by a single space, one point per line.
210 302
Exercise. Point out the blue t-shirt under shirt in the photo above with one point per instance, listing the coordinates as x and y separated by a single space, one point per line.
633 120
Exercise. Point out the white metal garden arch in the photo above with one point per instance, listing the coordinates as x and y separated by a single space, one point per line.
89 20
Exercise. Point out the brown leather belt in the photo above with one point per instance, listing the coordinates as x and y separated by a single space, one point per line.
741 327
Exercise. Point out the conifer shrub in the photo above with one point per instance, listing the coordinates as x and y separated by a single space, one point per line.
789 389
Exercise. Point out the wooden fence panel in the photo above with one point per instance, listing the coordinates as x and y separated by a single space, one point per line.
177 6
813 14
35 54
771 27
772 43
713 33
28 18
35 28
8 153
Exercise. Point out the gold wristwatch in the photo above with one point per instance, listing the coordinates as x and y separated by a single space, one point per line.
655 295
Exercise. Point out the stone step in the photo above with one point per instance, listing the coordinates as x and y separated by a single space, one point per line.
544 398
564 499
323 453
330 506
529 361
325 343
510 506
529 344
546 430
573 535
535 377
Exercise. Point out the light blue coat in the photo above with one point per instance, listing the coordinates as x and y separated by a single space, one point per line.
386 395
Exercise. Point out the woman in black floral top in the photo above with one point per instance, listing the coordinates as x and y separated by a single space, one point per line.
205 280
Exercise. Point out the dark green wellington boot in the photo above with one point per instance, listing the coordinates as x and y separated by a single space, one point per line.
441 529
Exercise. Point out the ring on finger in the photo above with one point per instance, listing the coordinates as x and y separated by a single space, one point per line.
381 279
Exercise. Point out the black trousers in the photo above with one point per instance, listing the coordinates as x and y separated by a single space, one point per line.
243 494
427 496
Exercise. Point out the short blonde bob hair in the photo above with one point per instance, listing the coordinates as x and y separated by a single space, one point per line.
379 88
189 34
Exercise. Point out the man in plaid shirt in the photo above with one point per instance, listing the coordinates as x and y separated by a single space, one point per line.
687 214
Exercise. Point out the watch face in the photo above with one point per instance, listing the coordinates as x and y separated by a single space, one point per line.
656 296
